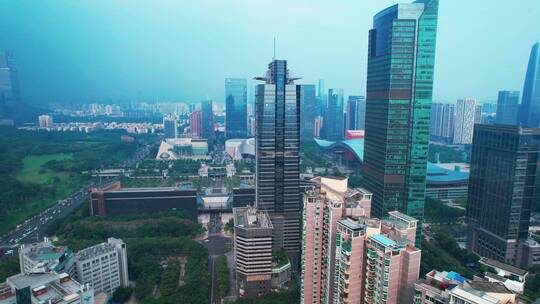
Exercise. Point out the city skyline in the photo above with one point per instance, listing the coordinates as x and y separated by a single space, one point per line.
109 69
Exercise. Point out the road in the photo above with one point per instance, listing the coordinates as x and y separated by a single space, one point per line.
33 229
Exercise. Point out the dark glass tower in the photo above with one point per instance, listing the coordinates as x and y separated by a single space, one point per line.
308 111
507 107
501 189
9 84
356 113
207 119
401 58
529 114
277 143
333 123
236 108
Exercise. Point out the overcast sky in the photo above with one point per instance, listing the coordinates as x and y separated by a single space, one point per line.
96 50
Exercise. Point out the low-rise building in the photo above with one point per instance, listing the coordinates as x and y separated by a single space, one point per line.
512 277
103 266
47 287
45 257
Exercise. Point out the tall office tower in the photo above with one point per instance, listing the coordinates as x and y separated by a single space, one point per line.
236 108
350 114
464 121
277 145
322 99
317 126
477 114
529 112
507 107
501 187
333 125
9 82
399 92
308 111
324 206
252 251
207 118
357 118
442 122
195 123
170 127
103 266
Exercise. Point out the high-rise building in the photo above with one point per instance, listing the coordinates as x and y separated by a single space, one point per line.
252 251
9 83
170 127
322 99
333 124
401 59
507 107
529 113
236 108
464 121
207 118
324 206
277 145
308 111
103 266
442 122
195 123
317 126
350 117
501 188
45 121
359 113
477 114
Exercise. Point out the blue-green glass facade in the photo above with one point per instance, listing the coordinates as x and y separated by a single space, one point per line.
334 120
401 58
236 108
529 115
308 111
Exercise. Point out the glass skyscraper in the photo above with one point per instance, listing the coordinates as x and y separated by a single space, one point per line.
308 111
356 113
207 122
507 107
236 108
277 144
9 84
529 115
333 123
401 58
501 190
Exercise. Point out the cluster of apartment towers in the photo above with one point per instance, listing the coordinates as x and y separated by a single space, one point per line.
363 245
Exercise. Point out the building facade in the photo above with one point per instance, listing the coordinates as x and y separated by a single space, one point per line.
501 190
252 251
45 257
464 121
359 103
236 108
103 266
195 123
442 122
529 114
333 124
45 121
207 125
507 108
277 144
401 59
170 127
9 82
308 111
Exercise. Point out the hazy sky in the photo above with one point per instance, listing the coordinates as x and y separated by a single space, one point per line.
93 50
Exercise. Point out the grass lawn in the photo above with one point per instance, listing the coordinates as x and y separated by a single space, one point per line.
34 172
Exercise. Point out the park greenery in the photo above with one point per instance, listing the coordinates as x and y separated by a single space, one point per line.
222 271
122 294
8 266
312 156
152 242
436 212
38 168
449 154
288 295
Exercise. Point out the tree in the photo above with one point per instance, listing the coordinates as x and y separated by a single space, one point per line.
122 294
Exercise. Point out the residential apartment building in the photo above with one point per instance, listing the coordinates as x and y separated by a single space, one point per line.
464 121
103 266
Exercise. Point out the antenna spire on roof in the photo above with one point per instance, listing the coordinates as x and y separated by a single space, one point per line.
273 58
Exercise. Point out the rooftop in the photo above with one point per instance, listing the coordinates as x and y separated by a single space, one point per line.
383 240
250 217
502 266
94 251
491 287
352 224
